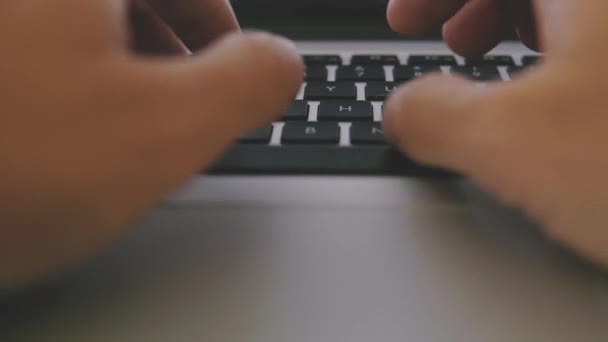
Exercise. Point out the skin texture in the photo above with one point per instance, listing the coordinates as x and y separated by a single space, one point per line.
539 142
150 34
470 27
94 133
108 113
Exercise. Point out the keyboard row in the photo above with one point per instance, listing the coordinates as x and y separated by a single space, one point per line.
332 110
403 73
421 60
320 148
372 91
326 133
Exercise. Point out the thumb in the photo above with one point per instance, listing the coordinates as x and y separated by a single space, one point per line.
238 84
443 121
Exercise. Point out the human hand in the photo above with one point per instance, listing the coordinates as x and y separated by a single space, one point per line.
93 135
539 142
175 27
470 28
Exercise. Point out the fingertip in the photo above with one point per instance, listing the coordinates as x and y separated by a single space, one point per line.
263 45
428 119
402 104
276 54
270 63
257 76
478 28
418 17
455 42
397 20
281 69
464 44
241 82
282 46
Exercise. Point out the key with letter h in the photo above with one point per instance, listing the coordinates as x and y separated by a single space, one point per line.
346 111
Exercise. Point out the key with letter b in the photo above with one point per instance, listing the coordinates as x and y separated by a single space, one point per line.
311 133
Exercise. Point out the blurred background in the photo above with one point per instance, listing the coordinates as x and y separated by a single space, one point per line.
322 19
317 19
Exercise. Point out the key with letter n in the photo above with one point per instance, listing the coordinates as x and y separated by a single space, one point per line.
367 133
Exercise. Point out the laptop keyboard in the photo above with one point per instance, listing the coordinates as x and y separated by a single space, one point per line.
335 127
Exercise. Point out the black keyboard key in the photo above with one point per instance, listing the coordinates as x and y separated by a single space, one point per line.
514 71
408 73
480 74
345 111
259 136
297 111
330 91
311 133
315 73
432 60
375 59
379 91
530 60
322 60
321 160
492 60
359 73
367 134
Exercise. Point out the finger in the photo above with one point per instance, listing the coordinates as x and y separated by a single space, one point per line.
451 133
197 22
567 27
150 34
187 111
528 34
241 83
524 20
415 17
479 27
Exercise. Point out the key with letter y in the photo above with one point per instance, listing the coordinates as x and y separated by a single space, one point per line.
330 90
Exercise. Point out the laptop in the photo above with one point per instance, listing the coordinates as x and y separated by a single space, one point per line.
313 229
